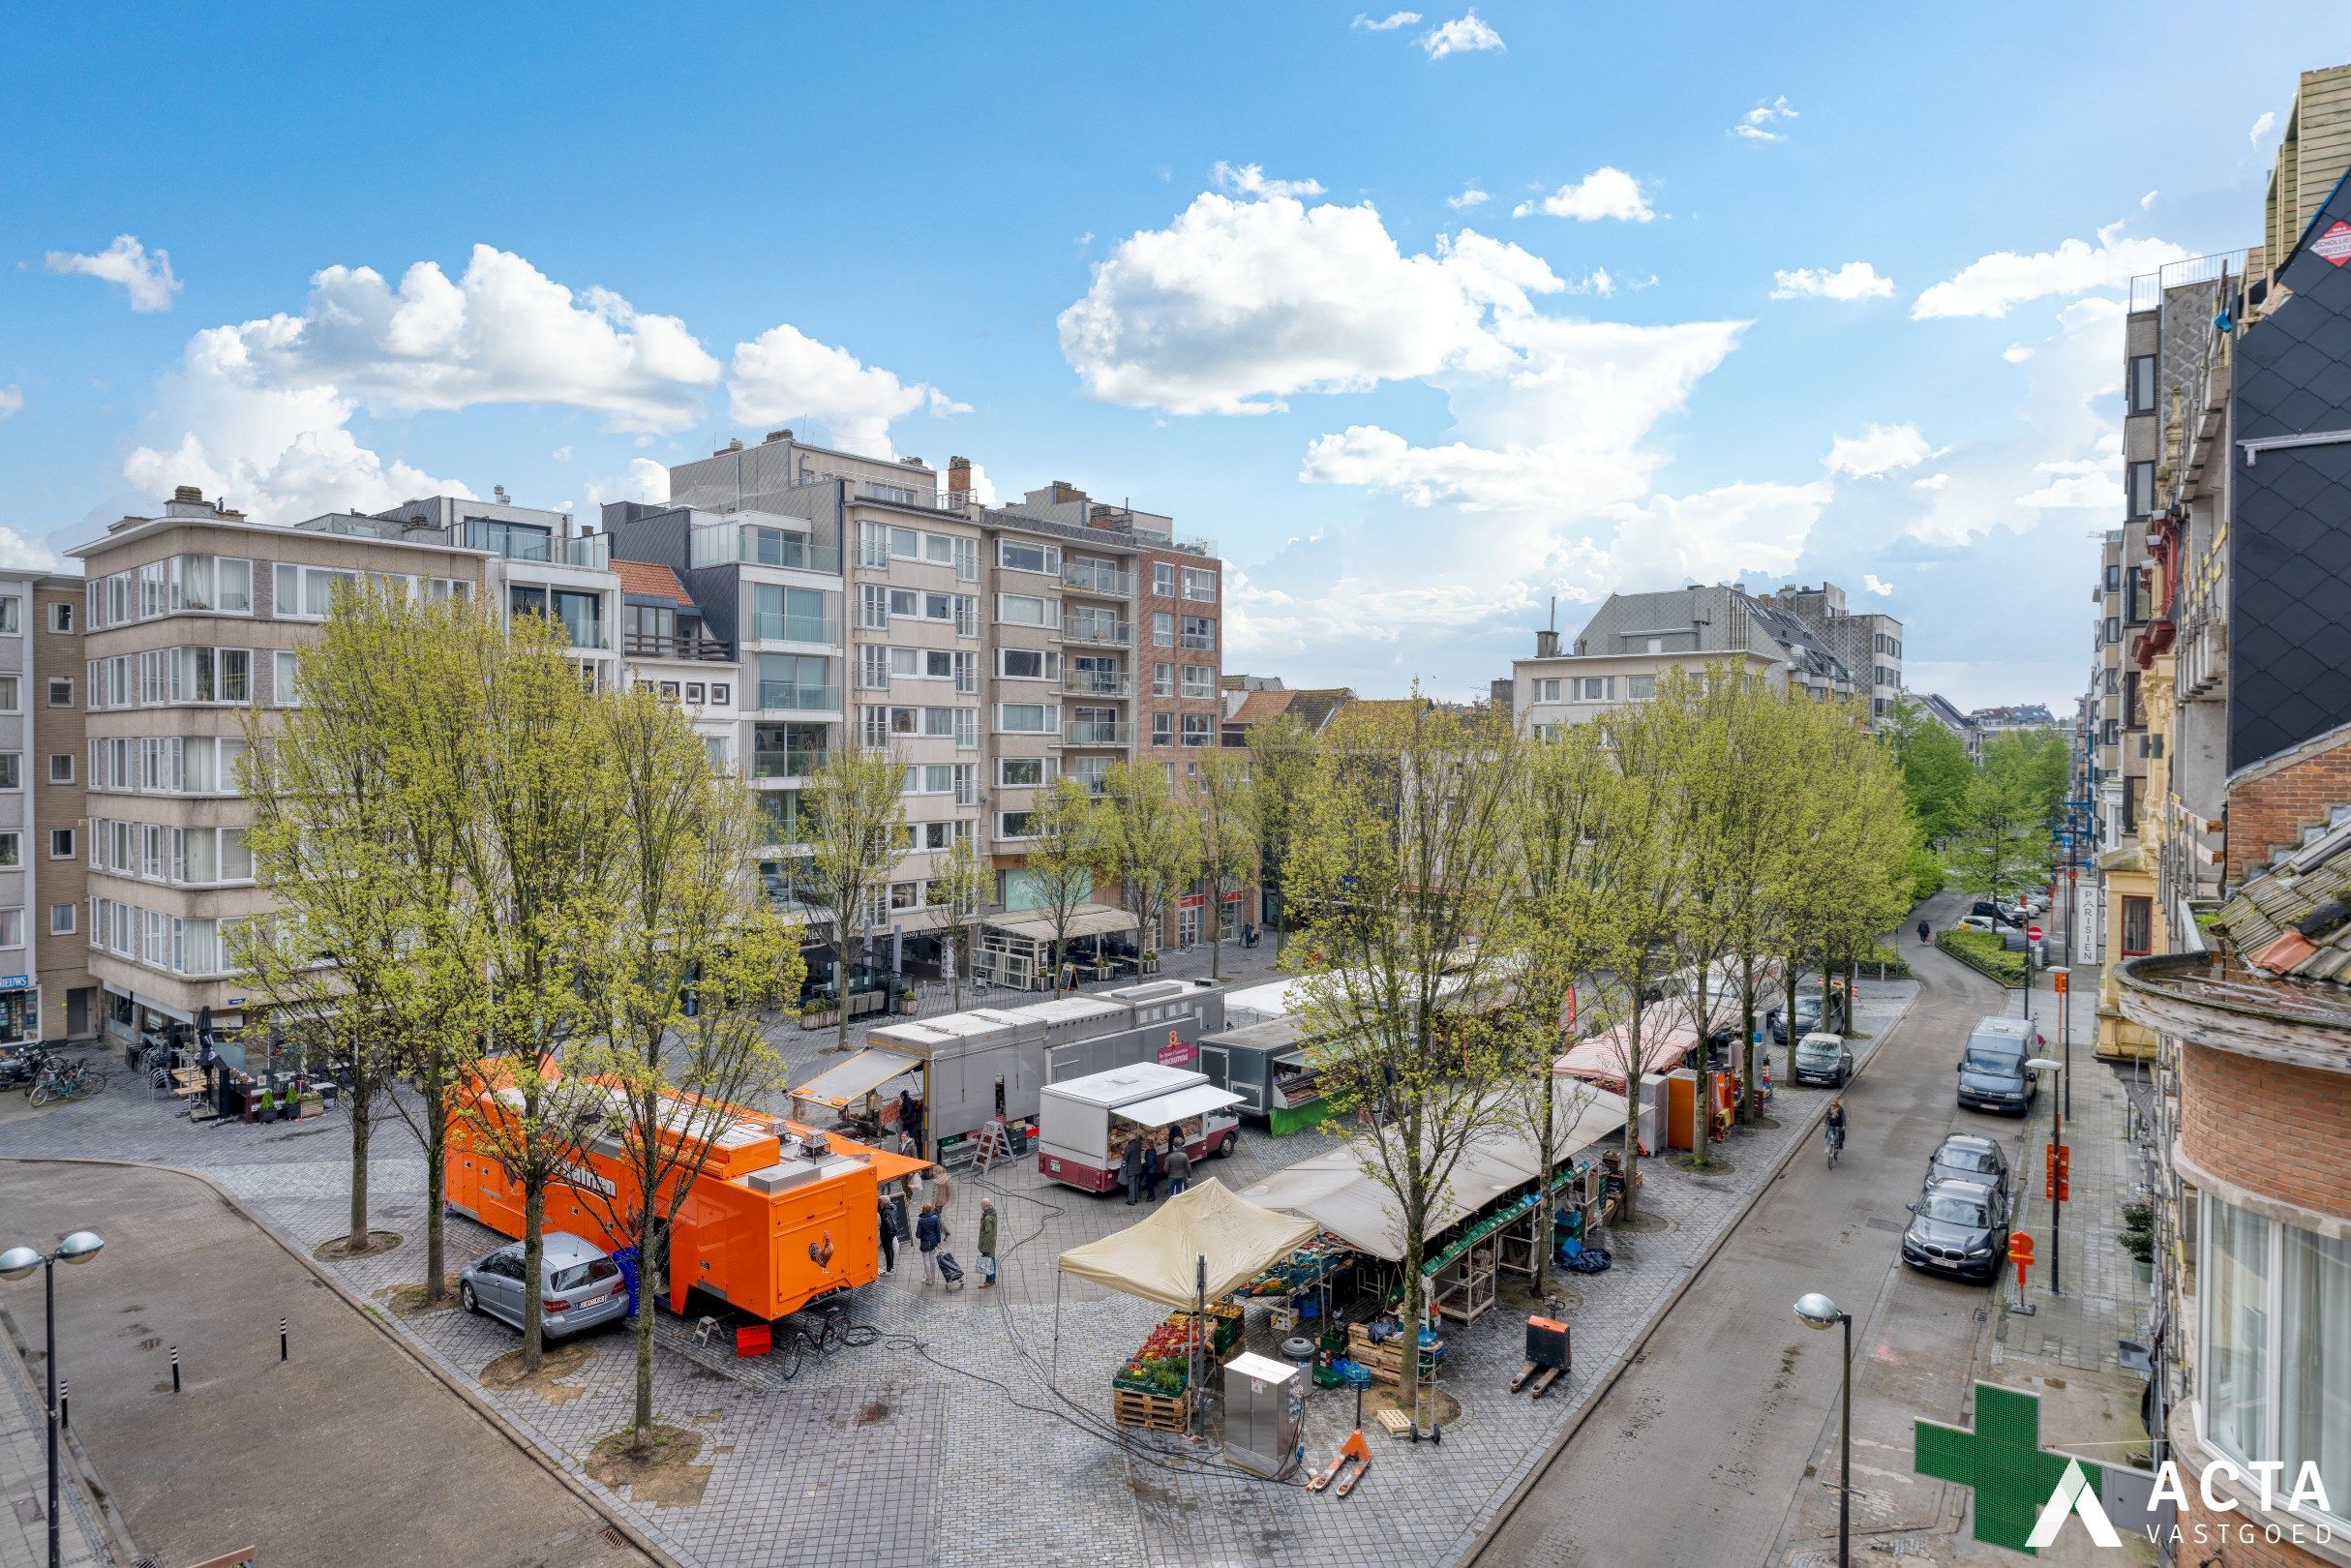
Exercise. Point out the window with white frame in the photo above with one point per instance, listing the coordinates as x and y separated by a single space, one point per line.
61 617
12 921
1027 663
1196 731
1595 689
1162 630
1163 729
1199 631
1547 689
1023 610
1022 772
1200 583
873 606
1013 824
63 918
1027 718
1640 688
61 691
61 767
11 693
873 666
61 843
1199 681
1027 555
12 770
11 614
1163 578
11 849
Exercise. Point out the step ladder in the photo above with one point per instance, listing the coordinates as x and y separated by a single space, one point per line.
995 1144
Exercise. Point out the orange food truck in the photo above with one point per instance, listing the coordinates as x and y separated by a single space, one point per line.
779 1215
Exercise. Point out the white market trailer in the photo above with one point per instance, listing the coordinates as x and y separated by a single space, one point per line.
1085 1124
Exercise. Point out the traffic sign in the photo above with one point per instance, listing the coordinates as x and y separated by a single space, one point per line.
2057 1177
2020 1254
2034 932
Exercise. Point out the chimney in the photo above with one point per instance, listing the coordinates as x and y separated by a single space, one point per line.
775 436
498 493
190 494
1547 645
959 476
735 445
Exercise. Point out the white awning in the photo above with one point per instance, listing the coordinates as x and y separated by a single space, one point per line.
1168 1109
854 1079
1204 1228
1085 920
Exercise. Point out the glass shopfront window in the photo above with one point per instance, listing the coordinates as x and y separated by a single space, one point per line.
2276 1363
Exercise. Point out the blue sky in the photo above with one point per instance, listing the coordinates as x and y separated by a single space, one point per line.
1408 416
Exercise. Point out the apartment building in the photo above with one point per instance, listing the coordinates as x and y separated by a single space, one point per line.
56 903
21 1009
2230 944
1867 643
1635 637
189 619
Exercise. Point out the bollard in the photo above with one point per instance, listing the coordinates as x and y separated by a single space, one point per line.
175 1369
65 1401
281 1338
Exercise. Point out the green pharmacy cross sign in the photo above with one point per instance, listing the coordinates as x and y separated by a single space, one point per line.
2014 1478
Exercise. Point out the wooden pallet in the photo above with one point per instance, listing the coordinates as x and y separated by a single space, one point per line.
1150 1411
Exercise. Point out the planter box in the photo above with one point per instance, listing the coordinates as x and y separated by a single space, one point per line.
821 1020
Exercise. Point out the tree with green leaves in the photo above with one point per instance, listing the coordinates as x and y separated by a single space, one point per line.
1145 845
855 804
1935 768
1224 838
960 882
1401 870
1065 851
2002 846
697 957
1283 754
2032 768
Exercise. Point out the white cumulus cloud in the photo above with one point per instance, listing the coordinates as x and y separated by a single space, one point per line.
1756 125
1993 284
784 374
1466 34
144 275
2261 127
2016 354
1877 451
2090 482
1604 193
1933 481
2149 199
1470 197
1250 180
645 481
1878 584
12 399
1854 280
1385 25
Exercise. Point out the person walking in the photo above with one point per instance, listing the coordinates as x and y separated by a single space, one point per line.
1179 1163
940 1190
887 1225
987 1242
1131 1169
926 1237
1922 932
903 1231
1151 1172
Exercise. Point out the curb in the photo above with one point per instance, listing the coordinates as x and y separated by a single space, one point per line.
376 1319
1624 1358
109 1520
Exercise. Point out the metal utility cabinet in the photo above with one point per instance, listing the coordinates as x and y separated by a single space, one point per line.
1264 1413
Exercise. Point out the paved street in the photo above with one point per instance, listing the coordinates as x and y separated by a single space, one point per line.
912 1447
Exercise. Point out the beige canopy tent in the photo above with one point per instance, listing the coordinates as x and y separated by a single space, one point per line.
1159 1259
1335 1192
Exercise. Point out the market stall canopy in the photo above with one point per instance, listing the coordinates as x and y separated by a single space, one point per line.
1167 1110
1158 1259
854 1079
1085 920
1335 1192
1665 1036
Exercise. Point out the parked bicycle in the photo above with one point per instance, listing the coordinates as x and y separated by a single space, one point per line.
63 1081
796 1342
19 1069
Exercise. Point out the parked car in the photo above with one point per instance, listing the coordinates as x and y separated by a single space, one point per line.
1810 1017
1993 913
1970 1156
1957 1228
2015 941
580 1287
1822 1058
1992 1074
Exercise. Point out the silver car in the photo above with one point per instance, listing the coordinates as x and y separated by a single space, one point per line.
579 1287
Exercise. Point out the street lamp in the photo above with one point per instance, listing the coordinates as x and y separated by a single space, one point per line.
18 1263
2056 1169
1817 1311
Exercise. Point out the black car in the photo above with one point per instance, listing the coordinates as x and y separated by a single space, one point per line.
1957 1228
1969 1157
1808 1019
1995 914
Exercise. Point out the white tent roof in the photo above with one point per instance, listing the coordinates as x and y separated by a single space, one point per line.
1168 1109
1333 1189
862 1074
1159 1259
1086 920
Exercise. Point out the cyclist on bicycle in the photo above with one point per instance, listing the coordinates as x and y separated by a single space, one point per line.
1835 1124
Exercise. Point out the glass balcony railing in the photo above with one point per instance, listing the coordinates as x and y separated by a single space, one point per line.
1113 634
791 697
1098 683
715 544
787 762
520 542
778 628
1096 732
1090 577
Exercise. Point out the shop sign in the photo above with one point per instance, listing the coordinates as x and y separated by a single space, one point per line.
1178 1052
14 982
1192 901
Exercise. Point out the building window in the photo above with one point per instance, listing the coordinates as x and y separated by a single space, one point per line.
1163 729
61 617
10 694
1199 681
2142 391
1020 556
1595 689
1025 718
61 843
1163 631
1196 731
12 616
1026 664
2142 489
1200 583
1640 688
1163 578
1013 824
12 770
1022 609
1020 772
61 767
12 923
1547 689
11 849
62 918
2138 926
1163 680
1199 631
61 691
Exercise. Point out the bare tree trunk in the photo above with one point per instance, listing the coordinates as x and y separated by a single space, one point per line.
535 1259
1545 1226
1751 1104
362 1130
840 990
437 1192
1702 1110
1632 1109
1789 1017
648 1251
1216 932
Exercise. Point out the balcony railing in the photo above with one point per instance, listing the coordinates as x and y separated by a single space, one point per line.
589 550
787 762
1096 732
1118 635
1090 578
756 544
1098 683
791 697
932 501
657 645
775 629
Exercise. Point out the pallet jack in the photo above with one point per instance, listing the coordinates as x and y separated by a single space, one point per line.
1547 1356
1354 1456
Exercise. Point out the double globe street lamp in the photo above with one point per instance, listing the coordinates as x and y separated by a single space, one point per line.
18 1263
1817 1311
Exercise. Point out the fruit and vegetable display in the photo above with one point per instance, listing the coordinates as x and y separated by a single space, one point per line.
1301 1271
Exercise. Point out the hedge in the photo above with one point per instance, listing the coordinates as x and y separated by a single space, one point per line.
1982 952
1884 963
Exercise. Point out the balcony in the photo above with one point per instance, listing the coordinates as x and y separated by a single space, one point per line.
787 762
777 628
785 696
1103 633
753 544
1089 578
1098 683
1096 732
520 542
698 650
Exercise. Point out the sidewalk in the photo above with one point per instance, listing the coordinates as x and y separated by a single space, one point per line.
24 1474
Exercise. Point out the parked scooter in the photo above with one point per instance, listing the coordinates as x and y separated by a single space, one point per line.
19 1068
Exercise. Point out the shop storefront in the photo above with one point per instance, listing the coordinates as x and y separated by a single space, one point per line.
20 1009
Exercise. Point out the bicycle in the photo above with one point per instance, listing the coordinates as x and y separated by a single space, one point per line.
796 1342
67 1081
